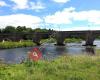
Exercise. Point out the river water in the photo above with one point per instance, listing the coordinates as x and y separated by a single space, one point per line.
49 51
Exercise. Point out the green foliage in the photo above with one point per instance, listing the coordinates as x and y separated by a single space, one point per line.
98 37
63 68
69 40
22 29
0 30
9 29
50 40
40 30
10 44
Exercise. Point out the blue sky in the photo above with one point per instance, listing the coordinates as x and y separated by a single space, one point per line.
54 14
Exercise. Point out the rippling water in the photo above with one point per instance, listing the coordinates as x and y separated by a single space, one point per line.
50 51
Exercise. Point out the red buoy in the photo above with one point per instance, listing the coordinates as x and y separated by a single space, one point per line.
35 54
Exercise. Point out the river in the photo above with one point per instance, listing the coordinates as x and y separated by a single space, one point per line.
49 51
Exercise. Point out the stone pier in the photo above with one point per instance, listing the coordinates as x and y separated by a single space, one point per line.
89 39
37 38
60 38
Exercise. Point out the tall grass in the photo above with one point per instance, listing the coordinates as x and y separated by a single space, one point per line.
70 40
50 40
67 40
10 44
63 68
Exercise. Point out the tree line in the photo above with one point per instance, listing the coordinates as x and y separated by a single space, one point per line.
22 29
20 32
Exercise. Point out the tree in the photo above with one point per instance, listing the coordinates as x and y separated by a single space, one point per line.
0 31
29 30
9 29
21 29
40 30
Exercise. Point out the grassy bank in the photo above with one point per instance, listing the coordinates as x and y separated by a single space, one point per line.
63 68
50 40
67 40
70 40
10 44
28 43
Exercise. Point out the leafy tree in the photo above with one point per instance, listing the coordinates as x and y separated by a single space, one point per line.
29 30
9 29
0 31
40 30
21 29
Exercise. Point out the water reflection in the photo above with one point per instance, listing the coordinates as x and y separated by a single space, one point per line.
50 51
90 50
61 50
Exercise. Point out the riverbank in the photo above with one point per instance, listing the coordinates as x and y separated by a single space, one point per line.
10 44
62 68
71 40
67 40
29 43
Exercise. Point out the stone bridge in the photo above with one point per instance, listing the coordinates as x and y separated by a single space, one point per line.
87 35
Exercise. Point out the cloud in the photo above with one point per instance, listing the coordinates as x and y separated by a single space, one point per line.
80 28
20 20
2 3
20 4
68 15
92 16
61 1
37 6
26 4
60 17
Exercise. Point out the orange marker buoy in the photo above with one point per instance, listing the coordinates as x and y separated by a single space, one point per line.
35 54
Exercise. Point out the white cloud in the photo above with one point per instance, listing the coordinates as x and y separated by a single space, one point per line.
2 3
20 20
68 15
79 28
37 6
92 16
20 4
26 4
61 1
60 17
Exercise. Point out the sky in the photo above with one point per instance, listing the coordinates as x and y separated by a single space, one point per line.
63 15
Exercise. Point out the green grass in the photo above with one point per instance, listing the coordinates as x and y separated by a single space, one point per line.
10 44
50 40
62 68
67 40
70 40
28 43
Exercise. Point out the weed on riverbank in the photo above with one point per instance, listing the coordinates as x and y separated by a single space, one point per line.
62 68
